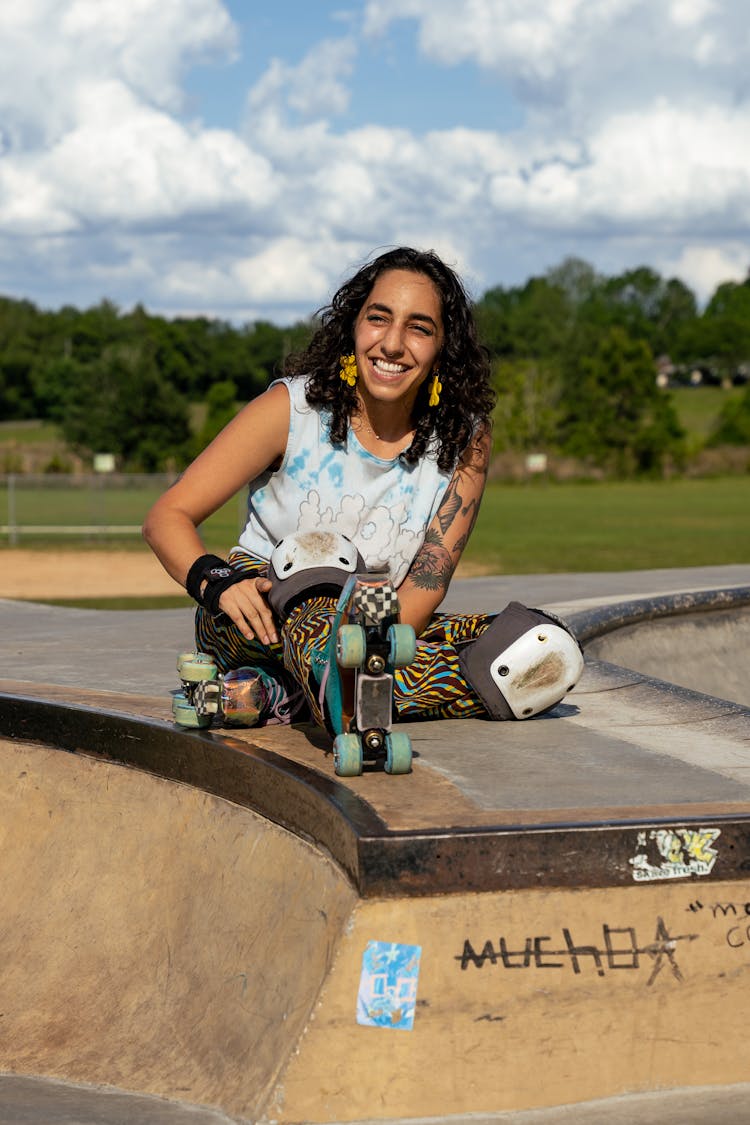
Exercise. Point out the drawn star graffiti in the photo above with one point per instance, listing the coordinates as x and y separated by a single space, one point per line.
663 946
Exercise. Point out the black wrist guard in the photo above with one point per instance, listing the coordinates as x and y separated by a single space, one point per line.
218 576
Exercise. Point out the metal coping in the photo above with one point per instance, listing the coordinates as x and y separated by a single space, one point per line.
588 624
379 861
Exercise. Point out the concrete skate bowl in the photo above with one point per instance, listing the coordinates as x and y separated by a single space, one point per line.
185 915
699 641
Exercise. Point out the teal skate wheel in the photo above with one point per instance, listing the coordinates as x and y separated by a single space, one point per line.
347 755
196 666
185 715
397 752
403 645
351 646
193 657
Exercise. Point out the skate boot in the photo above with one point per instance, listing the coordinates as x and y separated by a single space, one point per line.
356 671
242 697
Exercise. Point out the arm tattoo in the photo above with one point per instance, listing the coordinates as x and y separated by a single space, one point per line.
432 567
451 505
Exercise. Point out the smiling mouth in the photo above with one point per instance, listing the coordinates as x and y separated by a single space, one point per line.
383 367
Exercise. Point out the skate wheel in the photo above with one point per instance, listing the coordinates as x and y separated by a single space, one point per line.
351 646
196 666
397 752
347 755
403 645
185 715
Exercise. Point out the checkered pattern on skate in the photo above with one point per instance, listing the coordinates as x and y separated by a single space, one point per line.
204 695
376 603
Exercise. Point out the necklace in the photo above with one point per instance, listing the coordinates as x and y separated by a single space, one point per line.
388 441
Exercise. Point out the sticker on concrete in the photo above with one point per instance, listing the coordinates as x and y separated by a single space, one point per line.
388 986
674 853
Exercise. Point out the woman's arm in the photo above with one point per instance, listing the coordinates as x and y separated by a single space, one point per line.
251 443
427 580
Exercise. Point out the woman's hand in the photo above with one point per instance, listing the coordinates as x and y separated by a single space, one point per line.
246 604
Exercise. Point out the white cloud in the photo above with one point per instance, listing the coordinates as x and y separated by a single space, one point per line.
704 268
48 48
660 168
576 59
313 88
635 147
688 13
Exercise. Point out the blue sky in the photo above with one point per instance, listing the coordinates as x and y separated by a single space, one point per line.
239 160
394 83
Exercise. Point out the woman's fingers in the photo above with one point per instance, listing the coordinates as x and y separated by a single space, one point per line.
245 603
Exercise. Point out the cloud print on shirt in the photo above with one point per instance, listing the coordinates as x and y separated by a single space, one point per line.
380 533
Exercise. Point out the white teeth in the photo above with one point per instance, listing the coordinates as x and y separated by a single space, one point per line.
389 368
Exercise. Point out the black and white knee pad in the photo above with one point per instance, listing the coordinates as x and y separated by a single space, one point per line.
310 563
523 664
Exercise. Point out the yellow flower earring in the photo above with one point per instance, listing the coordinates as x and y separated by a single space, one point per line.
348 372
435 388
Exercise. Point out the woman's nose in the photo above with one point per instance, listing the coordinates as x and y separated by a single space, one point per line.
393 340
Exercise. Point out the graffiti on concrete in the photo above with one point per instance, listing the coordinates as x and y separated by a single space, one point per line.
738 934
618 949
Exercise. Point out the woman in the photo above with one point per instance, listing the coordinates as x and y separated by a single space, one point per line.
379 431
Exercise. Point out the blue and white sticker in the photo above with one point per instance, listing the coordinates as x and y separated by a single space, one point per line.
388 986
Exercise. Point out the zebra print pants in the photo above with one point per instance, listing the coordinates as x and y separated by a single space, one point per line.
431 687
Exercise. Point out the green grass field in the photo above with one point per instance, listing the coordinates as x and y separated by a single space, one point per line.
699 407
558 528
29 433
522 529
60 505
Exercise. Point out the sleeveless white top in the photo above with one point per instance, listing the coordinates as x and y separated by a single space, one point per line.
384 507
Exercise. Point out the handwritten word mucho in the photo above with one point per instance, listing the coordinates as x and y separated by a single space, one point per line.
618 949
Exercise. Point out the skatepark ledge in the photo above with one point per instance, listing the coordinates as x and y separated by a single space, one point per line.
226 884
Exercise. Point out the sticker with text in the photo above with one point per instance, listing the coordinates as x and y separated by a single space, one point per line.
388 985
674 853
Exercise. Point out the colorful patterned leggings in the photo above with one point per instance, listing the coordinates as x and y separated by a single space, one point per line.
431 687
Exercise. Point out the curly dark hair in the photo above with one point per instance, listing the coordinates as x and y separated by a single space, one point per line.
467 398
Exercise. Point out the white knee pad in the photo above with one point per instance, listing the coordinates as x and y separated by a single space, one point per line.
308 563
524 663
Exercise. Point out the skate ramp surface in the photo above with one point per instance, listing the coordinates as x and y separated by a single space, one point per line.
708 652
154 937
188 914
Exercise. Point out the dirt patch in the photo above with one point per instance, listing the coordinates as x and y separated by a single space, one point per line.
83 574
100 574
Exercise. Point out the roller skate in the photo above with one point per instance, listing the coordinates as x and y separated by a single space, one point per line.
198 702
242 697
366 640
354 672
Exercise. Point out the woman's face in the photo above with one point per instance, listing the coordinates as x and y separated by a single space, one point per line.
398 336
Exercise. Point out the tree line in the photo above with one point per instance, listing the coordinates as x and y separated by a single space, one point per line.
583 364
